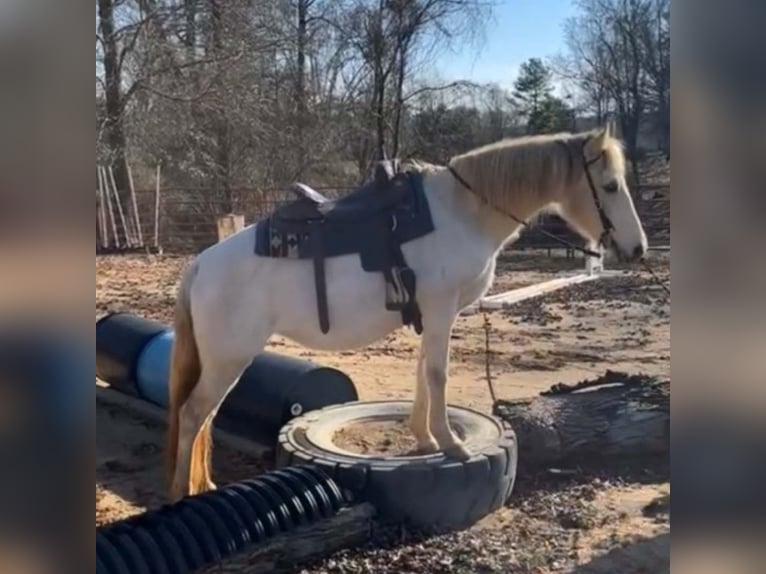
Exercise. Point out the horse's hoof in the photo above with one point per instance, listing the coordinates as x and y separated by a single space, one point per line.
457 452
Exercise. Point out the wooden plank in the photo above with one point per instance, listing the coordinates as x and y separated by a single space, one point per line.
506 298
108 195
159 415
103 229
136 219
157 211
349 528
116 195
536 289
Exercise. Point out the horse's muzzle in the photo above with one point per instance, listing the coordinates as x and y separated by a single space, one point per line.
629 256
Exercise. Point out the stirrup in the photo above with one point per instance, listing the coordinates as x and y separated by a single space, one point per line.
399 288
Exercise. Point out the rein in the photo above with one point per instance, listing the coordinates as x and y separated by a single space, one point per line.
606 223
548 234
607 229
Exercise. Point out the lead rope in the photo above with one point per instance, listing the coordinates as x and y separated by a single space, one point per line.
488 352
562 241
520 221
487 371
656 279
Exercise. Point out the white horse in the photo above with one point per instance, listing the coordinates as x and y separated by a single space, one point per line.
231 301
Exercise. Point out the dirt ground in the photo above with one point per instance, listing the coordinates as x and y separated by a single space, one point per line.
557 521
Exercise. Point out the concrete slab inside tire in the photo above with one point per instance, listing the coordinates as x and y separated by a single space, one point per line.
429 492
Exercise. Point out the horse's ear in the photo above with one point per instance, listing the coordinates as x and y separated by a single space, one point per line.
597 142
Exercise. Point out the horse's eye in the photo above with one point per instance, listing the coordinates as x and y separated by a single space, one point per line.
611 187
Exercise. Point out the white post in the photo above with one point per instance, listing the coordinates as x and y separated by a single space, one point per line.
594 265
103 229
157 211
136 220
108 195
126 230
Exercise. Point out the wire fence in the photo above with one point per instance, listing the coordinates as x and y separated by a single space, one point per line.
184 220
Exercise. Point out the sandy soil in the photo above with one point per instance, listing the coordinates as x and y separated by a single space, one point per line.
573 334
387 438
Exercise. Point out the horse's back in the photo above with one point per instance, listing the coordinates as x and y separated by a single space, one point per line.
238 288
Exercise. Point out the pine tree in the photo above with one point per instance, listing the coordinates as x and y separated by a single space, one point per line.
533 95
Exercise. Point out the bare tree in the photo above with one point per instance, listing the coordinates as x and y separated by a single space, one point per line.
228 94
395 36
137 51
113 101
655 39
618 53
500 116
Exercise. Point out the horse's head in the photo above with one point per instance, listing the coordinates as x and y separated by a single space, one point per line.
599 204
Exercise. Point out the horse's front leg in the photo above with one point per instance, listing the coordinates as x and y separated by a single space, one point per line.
437 326
419 416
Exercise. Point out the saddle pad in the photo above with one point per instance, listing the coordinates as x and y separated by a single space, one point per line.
407 220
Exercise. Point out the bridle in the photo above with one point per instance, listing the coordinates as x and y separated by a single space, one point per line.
606 223
607 228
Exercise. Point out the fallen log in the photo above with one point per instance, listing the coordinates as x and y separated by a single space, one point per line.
350 527
644 555
615 416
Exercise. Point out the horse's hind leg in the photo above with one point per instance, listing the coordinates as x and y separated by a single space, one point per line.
217 378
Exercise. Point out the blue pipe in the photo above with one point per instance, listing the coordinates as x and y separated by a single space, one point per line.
272 390
153 368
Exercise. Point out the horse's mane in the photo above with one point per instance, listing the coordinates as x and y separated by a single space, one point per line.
526 167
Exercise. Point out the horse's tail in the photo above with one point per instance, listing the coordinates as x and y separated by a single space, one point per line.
184 367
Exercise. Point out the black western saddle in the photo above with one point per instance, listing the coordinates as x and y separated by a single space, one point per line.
372 221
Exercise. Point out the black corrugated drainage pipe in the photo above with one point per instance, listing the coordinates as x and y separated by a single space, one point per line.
133 354
208 528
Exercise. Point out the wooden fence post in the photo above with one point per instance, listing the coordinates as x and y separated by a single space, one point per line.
229 224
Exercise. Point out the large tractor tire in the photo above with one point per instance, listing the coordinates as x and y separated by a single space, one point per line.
427 492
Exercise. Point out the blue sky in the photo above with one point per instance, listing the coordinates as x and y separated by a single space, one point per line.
518 30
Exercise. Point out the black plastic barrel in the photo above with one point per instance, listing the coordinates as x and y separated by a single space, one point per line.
120 338
276 388
133 354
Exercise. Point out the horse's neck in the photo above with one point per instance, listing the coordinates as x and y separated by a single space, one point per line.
495 225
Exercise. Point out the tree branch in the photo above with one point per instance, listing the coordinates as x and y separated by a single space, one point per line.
456 84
